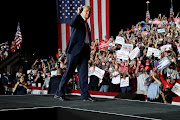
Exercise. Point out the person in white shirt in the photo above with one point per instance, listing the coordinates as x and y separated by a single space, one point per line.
141 77
115 83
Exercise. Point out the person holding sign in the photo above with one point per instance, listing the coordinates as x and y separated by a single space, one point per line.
154 87
105 82
141 77
115 83
166 83
126 83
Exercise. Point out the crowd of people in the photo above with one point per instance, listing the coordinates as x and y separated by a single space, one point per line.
5 50
141 73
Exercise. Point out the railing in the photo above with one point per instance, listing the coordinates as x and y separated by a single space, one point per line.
11 60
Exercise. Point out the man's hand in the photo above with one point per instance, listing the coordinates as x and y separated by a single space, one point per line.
79 10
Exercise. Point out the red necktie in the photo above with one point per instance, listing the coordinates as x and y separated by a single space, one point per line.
87 26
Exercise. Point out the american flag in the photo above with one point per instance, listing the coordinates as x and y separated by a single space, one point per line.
98 21
103 45
18 37
171 11
147 16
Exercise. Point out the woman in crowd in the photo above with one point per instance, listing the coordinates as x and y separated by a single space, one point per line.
21 86
105 82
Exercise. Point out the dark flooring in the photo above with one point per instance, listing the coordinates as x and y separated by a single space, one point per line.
104 106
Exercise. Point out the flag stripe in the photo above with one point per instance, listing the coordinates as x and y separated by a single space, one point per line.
59 37
92 20
96 29
107 20
103 14
99 20
63 31
67 33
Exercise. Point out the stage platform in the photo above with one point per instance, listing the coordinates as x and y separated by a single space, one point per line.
45 106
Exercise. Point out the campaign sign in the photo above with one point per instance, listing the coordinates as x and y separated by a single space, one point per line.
124 82
177 19
103 45
178 48
176 89
134 53
145 32
161 30
119 40
122 54
167 47
157 52
127 47
99 72
156 21
163 63
90 71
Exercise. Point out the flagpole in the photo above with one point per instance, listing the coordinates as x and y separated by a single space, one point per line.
147 5
147 13
171 9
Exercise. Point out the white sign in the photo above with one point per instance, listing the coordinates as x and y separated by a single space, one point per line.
119 40
34 84
178 47
161 30
122 54
99 72
176 89
127 47
134 53
96 71
167 47
124 82
157 52
90 71
53 73
39 84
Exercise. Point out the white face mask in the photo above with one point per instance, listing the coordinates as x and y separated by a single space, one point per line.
103 63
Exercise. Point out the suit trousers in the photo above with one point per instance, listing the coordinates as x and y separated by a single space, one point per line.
80 62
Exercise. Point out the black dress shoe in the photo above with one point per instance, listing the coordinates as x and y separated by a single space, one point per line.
63 99
90 99
55 96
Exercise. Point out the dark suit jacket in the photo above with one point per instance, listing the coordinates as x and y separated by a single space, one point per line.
78 34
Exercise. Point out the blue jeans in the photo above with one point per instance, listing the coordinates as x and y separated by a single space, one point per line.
104 88
126 89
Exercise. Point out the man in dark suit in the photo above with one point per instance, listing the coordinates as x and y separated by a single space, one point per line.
78 54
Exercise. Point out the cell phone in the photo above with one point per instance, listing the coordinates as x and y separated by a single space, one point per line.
44 60
81 9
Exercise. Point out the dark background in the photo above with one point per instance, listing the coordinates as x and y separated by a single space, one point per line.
39 27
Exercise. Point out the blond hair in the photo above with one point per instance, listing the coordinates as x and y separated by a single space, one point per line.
86 6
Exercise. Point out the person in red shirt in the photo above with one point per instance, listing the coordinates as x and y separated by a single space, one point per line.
166 83
13 46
